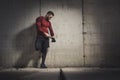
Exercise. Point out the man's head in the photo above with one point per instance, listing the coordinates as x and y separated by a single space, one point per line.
49 15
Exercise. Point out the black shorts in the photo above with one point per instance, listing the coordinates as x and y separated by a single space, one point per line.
41 43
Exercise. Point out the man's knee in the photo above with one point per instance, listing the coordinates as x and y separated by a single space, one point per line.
38 45
44 50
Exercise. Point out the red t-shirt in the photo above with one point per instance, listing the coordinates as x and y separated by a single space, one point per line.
43 25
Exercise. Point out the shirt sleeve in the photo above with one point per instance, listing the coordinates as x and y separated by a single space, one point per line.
38 23
51 30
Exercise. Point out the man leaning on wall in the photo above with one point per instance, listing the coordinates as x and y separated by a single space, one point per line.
44 26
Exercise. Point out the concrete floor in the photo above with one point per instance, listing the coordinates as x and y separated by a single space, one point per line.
60 74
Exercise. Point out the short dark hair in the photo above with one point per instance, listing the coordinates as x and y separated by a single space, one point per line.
50 12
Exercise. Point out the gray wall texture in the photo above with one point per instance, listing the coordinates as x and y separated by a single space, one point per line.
102 47
87 33
67 24
17 31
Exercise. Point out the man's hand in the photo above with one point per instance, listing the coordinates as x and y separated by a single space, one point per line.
47 35
53 40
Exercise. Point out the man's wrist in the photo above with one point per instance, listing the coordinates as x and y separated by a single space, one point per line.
52 37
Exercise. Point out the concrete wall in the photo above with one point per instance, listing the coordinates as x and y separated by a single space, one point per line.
17 31
98 46
67 25
102 36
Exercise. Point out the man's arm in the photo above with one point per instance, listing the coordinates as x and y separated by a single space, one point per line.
51 30
47 35
52 33
38 22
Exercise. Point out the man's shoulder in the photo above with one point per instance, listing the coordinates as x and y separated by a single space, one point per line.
40 18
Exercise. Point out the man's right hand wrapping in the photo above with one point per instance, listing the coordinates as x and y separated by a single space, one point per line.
53 40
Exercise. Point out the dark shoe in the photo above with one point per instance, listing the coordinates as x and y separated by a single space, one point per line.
43 66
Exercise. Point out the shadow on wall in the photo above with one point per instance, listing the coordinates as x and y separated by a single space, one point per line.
24 45
109 33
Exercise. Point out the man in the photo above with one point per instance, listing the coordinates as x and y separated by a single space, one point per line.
43 25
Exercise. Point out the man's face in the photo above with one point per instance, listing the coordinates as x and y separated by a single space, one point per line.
49 16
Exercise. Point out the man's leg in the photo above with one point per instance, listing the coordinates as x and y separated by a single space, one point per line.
38 46
44 53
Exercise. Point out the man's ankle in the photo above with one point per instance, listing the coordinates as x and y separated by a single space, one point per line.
43 66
